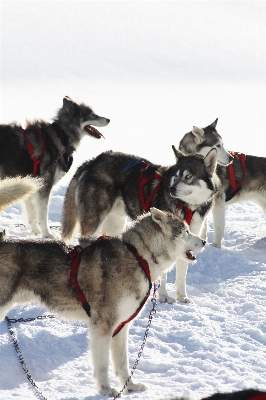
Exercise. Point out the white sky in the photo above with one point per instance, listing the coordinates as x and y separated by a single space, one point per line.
155 68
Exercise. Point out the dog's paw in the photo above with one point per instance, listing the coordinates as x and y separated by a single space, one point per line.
135 387
108 391
183 299
165 298
217 245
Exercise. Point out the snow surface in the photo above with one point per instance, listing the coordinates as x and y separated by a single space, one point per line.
193 350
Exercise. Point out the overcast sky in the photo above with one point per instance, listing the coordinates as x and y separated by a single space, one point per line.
158 66
199 40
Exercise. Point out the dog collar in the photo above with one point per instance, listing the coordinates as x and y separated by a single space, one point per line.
188 213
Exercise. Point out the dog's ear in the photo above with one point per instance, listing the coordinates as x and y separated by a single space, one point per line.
178 153
68 102
198 133
213 125
160 218
210 161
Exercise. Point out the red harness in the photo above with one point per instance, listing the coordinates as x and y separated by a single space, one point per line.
75 256
187 211
142 182
236 186
36 161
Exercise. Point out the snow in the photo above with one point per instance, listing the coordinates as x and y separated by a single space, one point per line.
192 350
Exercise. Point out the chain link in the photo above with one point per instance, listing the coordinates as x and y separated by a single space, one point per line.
38 393
11 321
152 312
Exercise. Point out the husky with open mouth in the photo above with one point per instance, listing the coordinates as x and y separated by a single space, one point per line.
45 150
105 283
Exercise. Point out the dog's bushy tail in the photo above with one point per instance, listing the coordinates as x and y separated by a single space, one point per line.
69 218
15 190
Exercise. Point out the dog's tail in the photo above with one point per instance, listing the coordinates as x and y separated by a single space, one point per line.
69 218
14 190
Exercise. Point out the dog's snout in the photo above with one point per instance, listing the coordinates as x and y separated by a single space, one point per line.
172 189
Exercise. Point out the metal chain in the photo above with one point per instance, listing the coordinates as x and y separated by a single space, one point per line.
152 312
11 321
38 393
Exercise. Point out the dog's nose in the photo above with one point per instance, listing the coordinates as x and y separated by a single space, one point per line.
108 120
172 189
203 242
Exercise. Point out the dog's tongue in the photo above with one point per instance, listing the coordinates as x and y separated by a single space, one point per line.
93 132
190 256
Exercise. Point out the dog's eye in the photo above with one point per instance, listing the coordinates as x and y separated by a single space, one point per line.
187 177
218 145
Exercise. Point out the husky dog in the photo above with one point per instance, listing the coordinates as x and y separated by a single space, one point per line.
243 180
44 149
112 186
114 276
14 190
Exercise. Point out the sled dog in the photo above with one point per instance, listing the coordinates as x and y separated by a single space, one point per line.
45 150
242 176
112 186
114 276
14 190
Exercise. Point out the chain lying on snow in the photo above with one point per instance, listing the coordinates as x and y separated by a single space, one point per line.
11 321
152 312
38 393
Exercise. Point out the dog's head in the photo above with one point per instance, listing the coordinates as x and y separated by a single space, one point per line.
82 117
193 179
202 140
180 242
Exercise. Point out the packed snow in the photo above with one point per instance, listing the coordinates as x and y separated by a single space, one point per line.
192 350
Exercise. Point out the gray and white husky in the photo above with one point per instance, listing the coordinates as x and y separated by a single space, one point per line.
113 186
114 276
243 177
45 150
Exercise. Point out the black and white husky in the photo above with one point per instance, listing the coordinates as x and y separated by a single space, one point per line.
112 186
243 177
45 150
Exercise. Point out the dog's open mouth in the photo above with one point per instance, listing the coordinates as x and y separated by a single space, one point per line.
93 132
190 256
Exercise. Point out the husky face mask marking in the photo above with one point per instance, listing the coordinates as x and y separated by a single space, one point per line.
192 181
202 140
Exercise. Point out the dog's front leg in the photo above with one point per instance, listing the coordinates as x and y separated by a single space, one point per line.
119 349
181 273
218 213
99 347
163 295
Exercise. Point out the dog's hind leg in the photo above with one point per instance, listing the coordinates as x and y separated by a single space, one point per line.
31 212
119 349
115 222
99 347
